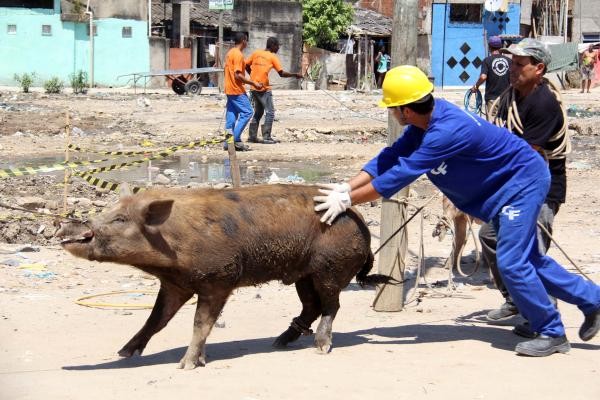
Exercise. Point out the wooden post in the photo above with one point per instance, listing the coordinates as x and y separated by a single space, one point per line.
67 171
234 167
393 214
220 58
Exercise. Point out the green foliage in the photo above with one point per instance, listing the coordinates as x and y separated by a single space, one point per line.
54 85
314 70
324 21
25 80
77 7
79 81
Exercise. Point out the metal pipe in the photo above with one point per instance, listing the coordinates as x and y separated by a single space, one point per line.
91 43
566 20
149 18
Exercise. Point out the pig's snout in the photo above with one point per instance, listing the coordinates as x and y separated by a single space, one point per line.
73 232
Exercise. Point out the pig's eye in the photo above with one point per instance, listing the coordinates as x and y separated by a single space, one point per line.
119 219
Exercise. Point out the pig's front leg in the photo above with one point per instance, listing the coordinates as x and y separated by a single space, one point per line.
207 311
169 300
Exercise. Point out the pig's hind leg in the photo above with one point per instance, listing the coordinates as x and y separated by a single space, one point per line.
169 300
311 309
207 311
329 295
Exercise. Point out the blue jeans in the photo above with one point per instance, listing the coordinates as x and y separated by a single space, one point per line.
530 275
237 115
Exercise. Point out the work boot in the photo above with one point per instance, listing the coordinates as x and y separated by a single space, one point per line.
590 326
266 132
253 132
524 330
239 146
543 346
506 311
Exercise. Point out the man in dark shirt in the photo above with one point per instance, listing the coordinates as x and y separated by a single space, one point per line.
532 109
494 72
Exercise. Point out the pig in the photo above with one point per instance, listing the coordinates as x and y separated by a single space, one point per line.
209 242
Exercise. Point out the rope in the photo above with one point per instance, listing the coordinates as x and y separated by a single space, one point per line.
543 228
4 205
81 301
478 101
506 114
348 108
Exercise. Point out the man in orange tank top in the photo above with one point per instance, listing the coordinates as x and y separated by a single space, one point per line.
258 65
238 108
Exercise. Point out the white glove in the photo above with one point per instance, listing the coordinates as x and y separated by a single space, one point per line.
343 187
334 202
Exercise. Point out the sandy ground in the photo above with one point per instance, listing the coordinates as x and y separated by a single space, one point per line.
438 347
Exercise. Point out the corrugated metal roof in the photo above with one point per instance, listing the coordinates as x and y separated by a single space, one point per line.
368 22
199 13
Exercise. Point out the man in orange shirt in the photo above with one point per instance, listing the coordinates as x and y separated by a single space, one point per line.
238 109
259 64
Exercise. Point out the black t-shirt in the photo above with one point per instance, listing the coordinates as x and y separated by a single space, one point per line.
542 116
496 68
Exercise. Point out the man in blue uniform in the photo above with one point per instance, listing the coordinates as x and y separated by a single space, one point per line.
489 173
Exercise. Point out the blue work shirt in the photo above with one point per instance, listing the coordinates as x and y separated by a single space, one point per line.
477 165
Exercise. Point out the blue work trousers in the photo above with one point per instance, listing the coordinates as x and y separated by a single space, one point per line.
530 275
237 115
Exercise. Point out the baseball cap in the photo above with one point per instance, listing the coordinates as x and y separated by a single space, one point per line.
532 48
495 42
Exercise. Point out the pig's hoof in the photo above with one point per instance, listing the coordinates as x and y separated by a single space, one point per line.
286 337
323 344
127 352
188 364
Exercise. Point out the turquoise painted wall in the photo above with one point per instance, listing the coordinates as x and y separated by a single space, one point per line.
67 49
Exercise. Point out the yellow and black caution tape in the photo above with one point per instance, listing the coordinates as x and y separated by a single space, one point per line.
102 184
23 171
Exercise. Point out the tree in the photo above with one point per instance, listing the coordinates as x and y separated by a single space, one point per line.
324 21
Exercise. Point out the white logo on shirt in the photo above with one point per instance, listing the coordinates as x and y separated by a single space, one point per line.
500 66
442 169
511 212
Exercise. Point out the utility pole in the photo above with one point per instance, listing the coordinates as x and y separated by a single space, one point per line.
393 214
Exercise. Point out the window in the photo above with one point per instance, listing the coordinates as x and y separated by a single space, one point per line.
591 37
126 33
87 30
11 29
465 13
46 30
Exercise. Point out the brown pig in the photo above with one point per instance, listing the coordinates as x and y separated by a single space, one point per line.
209 242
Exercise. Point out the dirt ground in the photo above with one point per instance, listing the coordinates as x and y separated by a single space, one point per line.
438 347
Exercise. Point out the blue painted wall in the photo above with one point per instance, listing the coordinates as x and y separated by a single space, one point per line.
66 51
457 49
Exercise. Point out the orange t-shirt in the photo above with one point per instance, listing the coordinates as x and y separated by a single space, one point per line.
234 61
261 62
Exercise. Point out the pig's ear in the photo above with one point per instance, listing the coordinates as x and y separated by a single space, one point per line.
157 212
124 190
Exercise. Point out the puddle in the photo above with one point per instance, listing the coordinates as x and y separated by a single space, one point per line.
185 168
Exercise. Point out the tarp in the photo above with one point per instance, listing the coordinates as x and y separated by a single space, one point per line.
565 57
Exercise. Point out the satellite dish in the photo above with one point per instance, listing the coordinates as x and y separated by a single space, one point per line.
493 5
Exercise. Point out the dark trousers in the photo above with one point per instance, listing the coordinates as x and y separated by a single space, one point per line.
262 103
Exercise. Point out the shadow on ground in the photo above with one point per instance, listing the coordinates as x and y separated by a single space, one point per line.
406 335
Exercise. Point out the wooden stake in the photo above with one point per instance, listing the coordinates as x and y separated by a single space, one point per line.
234 167
393 214
67 171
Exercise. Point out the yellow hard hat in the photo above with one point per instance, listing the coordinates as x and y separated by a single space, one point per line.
404 84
